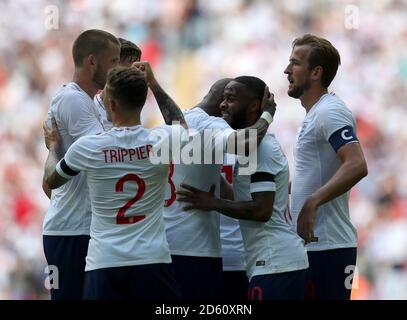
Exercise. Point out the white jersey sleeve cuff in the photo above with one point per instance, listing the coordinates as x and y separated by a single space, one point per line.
61 172
262 186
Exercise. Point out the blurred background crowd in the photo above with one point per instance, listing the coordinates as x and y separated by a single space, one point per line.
191 44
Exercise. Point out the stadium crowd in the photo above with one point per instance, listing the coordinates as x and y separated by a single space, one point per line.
191 44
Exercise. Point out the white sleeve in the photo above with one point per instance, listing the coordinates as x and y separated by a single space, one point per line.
215 132
269 163
221 129
174 133
76 159
79 116
212 122
336 125
168 142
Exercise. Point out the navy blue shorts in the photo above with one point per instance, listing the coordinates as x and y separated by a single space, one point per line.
200 278
278 286
140 282
235 284
330 274
68 254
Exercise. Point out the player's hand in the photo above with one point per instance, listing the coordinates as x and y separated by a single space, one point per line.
268 104
51 135
144 66
197 199
306 221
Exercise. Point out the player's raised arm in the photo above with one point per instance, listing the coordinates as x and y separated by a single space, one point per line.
268 107
52 140
169 109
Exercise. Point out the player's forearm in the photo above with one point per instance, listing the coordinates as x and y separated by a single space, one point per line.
243 137
46 188
261 126
169 109
348 174
54 155
244 210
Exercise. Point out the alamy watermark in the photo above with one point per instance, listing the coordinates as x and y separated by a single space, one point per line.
52 279
205 147
179 146
352 280
51 21
351 21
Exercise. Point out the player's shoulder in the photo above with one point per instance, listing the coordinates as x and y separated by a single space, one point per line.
270 147
198 119
194 116
70 90
269 142
332 106
164 128
93 140
71 94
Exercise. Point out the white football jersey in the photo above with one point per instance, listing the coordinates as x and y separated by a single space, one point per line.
233 255
100 107
272 246
195 232
69 212
326 127
127 194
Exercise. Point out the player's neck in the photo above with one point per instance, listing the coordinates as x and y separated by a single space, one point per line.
204 107
102 94
126 121
311 97
250 121
84 81
209 109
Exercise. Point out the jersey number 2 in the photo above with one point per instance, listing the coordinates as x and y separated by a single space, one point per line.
120 218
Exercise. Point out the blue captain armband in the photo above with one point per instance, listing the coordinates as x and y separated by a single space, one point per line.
341 137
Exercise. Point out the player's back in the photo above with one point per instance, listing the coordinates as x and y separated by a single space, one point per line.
69 212
196 232
127 195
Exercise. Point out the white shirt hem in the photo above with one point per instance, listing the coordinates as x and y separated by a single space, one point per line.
126 264
234 268
66 233
296 267
331 247
195 254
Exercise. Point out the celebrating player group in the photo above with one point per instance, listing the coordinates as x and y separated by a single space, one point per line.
202 207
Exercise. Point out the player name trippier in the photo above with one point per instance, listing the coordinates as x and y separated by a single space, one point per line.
122 155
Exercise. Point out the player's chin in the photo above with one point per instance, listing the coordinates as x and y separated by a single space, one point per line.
293 93
227 118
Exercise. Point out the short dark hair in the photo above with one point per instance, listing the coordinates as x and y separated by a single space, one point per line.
129 49
91 42
255 85
323 54
127 86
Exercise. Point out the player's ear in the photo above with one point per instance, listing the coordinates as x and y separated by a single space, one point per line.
91 60
254 106
112 104
316 73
